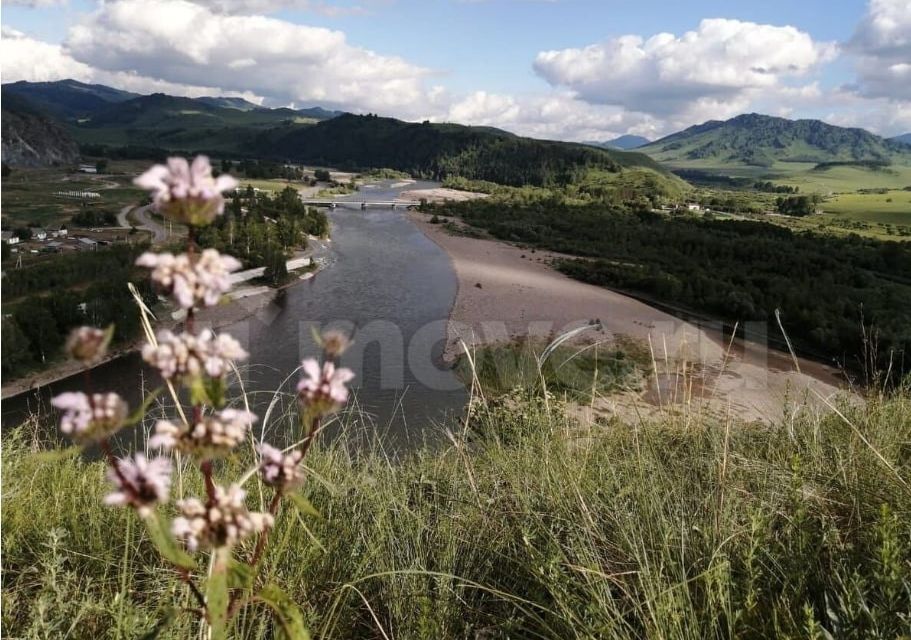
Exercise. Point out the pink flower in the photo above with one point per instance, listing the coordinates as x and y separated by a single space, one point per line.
323 390
214 436
223 524
88 344
280 469
192 283
140 483
186 356
187 192
90 418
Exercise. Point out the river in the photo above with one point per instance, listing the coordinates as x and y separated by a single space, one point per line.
385 282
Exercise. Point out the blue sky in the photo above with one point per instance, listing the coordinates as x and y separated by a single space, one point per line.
573 69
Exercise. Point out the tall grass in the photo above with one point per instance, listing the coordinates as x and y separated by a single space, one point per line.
527 525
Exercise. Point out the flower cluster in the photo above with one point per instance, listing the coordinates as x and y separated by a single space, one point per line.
187 192
212 436
186 357
202 281
278 469
89 345
89 418
323 390
335 343
140 482
221 524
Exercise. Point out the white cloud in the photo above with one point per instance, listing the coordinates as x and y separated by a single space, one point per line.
188 44
882 46
24 58
248 7
556 116
664 74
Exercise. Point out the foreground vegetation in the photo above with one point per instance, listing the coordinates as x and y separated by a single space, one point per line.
526 526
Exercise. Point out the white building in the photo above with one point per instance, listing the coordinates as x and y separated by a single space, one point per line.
39 234
692 206
9 238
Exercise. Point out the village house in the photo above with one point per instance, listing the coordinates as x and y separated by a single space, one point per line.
39 234
9 238
58 231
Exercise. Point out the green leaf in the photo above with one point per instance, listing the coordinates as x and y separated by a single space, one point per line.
287 613
217 594
240 575
304 506
166 545
211 391
198 394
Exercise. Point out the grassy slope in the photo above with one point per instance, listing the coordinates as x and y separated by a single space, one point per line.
680 528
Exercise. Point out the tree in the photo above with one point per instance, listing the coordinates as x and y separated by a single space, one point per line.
322 175
101 166
276 272
14 349
40 328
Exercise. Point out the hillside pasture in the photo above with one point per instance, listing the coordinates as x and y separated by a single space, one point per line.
890 207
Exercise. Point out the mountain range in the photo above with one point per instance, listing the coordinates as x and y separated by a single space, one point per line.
102 119
625 142
761 141
48 120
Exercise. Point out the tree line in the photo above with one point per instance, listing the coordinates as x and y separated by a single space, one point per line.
44 301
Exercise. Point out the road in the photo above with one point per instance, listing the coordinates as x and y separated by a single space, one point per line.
144 220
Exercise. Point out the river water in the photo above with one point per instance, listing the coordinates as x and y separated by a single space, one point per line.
383 281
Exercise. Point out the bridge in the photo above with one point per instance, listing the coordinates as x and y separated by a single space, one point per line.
362 204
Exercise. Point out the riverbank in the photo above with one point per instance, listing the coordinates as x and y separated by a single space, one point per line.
441 194
507 293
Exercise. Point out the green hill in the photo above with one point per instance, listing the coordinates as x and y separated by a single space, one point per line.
445 150
67 99
755 140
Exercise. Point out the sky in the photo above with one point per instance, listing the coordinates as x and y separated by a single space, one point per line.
560 69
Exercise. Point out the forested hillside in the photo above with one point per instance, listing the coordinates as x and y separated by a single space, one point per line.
439 151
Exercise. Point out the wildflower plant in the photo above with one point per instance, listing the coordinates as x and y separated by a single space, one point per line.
219 523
